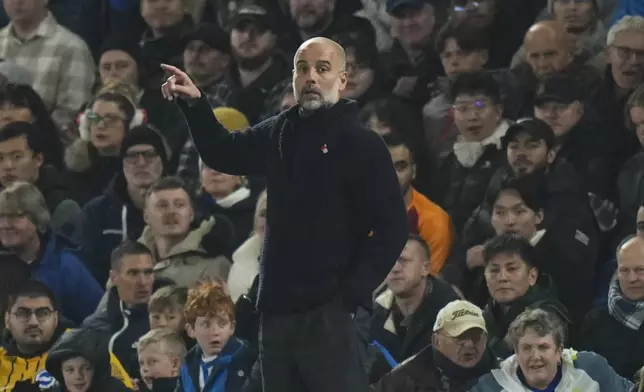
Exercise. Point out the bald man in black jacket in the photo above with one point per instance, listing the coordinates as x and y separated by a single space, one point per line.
336 219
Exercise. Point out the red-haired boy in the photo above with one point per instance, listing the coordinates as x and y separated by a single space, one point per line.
219 361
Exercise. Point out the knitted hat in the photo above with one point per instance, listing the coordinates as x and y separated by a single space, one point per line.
232 119
124 45
145 135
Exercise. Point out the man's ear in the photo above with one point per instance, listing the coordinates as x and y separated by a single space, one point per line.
533 274
176 363
114 277
344 79
550 157
435 341
539 216
39 159
413 171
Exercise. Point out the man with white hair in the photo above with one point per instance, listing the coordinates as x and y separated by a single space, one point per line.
336 219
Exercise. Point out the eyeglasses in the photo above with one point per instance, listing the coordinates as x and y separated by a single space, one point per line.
109 120
24 314
475 106
133 157
464 5
625 53
574 1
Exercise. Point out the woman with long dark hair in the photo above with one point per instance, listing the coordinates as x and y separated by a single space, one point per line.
20 102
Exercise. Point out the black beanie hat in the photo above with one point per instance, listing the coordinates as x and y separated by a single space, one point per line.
124 45
145 135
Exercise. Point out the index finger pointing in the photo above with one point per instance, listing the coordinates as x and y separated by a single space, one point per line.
174 71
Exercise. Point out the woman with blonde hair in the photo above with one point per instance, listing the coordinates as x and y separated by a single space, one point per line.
93 159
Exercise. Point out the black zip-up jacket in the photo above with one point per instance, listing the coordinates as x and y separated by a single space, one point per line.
336 218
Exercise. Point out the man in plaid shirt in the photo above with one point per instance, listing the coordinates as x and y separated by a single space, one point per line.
59 61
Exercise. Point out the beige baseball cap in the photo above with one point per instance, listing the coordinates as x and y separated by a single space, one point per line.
459 316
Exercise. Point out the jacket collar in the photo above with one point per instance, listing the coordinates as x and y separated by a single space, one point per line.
190 244
344 111
47 28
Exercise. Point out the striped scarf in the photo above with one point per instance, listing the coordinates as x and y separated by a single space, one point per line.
629 313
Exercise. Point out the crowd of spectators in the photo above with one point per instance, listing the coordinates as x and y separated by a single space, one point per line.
516 130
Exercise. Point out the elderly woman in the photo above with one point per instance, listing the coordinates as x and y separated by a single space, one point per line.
542 364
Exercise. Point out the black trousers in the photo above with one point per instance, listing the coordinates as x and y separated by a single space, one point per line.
321 350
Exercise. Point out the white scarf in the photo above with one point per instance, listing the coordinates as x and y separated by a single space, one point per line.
468 153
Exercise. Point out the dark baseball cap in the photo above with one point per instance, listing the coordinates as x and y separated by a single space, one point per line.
559 88
255 14
395 5
211 35
535 128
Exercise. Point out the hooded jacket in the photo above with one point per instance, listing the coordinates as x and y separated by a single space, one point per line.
75 289
122 327
92 346
540 296
18 370
108 220
583 371
187 262
238 359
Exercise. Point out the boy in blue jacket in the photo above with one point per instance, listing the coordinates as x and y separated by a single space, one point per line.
219 361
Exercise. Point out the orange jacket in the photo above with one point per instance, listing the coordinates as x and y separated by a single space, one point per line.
435 227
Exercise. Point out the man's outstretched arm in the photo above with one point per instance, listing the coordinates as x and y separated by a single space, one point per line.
236 153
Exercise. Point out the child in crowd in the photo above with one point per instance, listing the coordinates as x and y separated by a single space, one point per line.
165 310
219 361
80 362
161 352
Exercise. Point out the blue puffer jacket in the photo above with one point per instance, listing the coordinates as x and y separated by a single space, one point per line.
76 291
108 220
